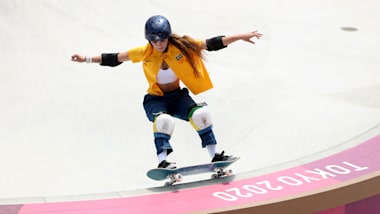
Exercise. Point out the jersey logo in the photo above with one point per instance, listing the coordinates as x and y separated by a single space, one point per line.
180 59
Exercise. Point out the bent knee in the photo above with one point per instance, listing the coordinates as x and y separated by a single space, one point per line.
164 123
200 119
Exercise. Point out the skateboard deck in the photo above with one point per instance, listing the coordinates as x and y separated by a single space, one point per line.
175 175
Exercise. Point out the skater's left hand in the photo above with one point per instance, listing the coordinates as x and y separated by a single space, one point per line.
248 36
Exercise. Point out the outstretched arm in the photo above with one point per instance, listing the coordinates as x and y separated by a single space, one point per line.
117 57
220 42
247 37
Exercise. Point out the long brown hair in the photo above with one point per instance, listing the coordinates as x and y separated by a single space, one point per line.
189 47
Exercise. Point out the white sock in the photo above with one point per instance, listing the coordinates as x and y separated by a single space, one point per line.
211 150
162 156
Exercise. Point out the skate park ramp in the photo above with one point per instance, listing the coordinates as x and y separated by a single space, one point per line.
308 89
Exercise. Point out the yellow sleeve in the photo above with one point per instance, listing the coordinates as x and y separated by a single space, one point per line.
138 54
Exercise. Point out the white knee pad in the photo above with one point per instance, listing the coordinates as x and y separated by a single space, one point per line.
200 119
164 123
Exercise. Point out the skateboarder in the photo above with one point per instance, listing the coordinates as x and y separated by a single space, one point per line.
168 59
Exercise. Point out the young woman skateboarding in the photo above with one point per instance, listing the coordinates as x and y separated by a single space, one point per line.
169 59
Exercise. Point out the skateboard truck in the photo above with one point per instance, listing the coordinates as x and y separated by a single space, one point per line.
173 178
220 172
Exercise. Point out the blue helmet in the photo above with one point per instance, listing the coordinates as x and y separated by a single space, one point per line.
157 28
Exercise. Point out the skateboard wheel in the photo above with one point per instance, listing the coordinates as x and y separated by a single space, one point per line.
229 172
167 183
178 177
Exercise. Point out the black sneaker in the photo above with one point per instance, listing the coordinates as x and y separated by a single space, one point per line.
167 165
222 157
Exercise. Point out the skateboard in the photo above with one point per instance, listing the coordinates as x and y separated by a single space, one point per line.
176 175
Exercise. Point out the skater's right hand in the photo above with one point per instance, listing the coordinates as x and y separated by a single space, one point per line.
78 58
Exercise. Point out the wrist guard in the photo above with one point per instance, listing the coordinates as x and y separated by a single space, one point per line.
110 59
215 43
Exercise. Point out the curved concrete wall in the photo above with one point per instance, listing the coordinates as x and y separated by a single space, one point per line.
300 107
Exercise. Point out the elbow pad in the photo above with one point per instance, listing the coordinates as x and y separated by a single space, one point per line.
110 59
215 43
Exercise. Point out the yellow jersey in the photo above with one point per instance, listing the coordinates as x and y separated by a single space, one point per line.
152 60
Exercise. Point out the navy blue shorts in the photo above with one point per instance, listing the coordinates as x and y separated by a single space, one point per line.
177 103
